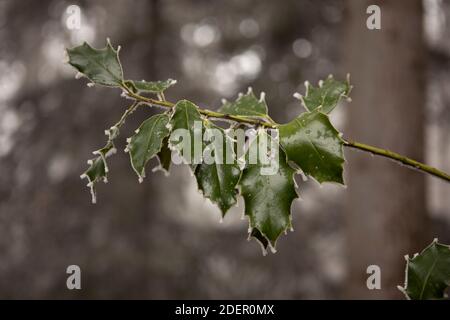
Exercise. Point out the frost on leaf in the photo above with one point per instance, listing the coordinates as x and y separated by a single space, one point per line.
326 96
98 168
268 198
101 66
428 273
155 87
218 180
246 105
147 142
315 146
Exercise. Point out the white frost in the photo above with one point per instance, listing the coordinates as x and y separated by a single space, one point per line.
93 195
304 177
297 96
272 248
111 152
262 96
66 58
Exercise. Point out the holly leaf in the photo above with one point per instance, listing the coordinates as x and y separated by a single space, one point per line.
268 189
155 87
165 156
218 174
147 142
246 105
95 173
187 141
428 273
315 146
98 168
101 66
326 96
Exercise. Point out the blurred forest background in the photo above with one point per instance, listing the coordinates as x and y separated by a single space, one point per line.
161 239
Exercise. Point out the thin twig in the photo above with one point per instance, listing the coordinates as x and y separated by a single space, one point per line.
399 158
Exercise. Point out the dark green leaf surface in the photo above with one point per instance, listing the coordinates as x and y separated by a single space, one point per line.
101 66
255 233
246 105
185 117
268 198
165 156
147 142
313 144
96 170
153 86
326 96
428 274
218 181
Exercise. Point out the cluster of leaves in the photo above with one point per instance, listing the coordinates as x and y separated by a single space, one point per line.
427 274
309 144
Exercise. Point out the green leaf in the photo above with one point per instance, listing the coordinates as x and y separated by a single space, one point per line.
95 173
147 142
98 168
156 87
268 197
246 105
218 180
101 66
326 96
428 273
187 118
165 156
314 145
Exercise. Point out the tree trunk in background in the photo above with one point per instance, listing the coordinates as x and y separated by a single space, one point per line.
386 212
